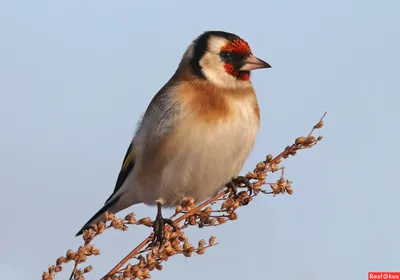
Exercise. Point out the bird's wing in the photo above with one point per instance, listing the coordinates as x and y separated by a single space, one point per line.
126 168
158 121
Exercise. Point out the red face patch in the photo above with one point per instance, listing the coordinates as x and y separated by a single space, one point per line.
238 46
230 69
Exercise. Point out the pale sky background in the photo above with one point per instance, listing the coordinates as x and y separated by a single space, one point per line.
75 76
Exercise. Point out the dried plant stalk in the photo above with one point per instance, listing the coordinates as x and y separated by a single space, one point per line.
213 212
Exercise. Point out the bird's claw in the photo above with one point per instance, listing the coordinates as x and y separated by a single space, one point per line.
239 181
231 186
159 229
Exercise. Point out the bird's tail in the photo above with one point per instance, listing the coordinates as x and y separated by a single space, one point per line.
99 216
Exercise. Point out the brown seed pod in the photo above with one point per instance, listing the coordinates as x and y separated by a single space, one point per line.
300 140
319 124
211 240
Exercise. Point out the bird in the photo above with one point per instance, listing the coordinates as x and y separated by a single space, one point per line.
197 131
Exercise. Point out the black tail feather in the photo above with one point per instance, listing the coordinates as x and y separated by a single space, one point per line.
98 214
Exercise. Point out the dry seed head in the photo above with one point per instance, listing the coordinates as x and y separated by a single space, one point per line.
179 233
178 209
94 227
51 269
257 185
139 275
221 220
70 255
319 124
88 235
260 166
146 221
151 266
149 257
309 140
61 260
251 175
175 243
173 235
261 176
319 138
211 240
135 269
274 167
275 189
101 227
186 245
213 221
87 269
167 235
269 158
192 220
146 274
300 140
58 268
229 202
45 275
200 251
187 203
163 257
82 258
130 218
178 249
127 273
87 248
205 219
207 211
118 224
167 244
127 270
187 254
159 267
109 216
233 216
169 251
201 243
182 238
154 250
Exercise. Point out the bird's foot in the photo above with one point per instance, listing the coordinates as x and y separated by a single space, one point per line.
232 188
239 181
159 227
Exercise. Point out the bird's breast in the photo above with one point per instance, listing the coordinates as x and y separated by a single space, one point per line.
207 147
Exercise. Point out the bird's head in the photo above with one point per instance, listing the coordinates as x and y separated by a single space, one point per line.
223 59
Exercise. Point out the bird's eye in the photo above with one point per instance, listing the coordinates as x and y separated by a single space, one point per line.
225 55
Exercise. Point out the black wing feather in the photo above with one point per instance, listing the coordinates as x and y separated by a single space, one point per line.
126 168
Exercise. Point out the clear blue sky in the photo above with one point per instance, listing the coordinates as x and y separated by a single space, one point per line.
75 76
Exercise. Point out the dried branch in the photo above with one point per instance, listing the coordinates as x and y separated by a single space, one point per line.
213 212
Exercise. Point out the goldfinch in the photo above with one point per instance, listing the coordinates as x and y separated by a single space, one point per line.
197 131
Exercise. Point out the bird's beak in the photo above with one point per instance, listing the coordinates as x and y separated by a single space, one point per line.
252 63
